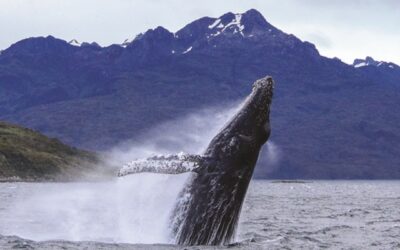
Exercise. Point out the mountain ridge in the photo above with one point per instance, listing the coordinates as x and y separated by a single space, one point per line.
326 113
251 17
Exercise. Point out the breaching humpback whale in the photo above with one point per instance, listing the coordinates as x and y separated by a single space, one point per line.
215 193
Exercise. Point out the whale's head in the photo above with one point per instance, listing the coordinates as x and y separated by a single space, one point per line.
249 129
255 111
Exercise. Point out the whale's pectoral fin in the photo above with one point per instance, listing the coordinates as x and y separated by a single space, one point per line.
170 164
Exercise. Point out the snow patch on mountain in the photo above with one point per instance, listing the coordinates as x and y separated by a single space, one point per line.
188 50
234 26
360 64
126 42
214 24
369 61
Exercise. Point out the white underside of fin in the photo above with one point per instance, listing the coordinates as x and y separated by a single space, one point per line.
162 164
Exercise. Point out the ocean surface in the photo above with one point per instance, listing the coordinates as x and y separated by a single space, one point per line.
122 215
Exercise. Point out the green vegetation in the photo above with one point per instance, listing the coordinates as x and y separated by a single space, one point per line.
27 155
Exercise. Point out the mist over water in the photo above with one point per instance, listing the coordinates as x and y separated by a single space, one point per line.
189 134
269 157
131 209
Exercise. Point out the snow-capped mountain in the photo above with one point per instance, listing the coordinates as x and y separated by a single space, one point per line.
369 61
246 24
329 119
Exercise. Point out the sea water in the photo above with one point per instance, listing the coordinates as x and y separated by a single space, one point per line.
136 210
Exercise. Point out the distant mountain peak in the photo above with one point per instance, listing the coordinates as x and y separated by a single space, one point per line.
92 45
253 12
229 25
157 32
228 22
74 42
38 45
245 24
255 21
369 61
211 33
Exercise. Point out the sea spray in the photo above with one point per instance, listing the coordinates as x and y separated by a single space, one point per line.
132 209
190 134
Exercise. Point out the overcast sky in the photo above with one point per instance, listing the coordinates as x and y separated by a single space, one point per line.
346 29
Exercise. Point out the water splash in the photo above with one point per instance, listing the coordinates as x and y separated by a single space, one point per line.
132 209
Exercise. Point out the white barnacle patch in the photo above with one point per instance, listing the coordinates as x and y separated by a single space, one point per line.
163 164
231 146
233 142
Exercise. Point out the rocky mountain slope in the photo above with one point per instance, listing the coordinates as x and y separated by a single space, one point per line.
329 119
30 156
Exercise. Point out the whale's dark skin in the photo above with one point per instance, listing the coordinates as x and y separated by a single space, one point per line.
208 211
217 191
